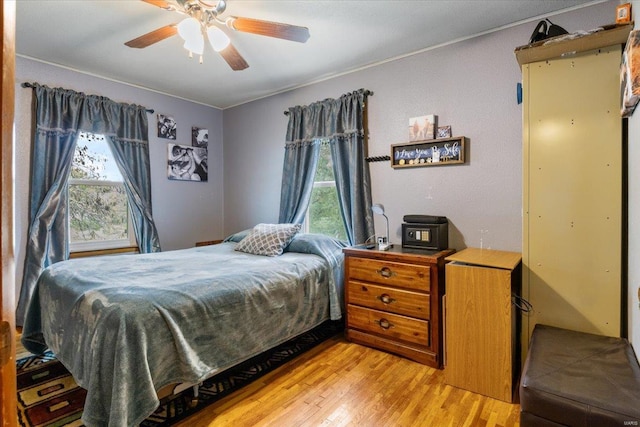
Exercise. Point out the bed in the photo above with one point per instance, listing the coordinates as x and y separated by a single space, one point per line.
126 326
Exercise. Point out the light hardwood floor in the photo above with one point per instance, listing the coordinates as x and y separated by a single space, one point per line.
338 383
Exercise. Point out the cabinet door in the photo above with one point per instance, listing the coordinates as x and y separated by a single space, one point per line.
572 188
479 349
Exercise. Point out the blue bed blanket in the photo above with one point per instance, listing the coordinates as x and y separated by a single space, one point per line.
126 326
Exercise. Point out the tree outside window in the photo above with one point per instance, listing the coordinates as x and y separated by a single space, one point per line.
323 215
98 205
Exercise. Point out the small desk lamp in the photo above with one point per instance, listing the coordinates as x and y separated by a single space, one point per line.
383 242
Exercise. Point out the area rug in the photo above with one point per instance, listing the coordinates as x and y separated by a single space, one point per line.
49 397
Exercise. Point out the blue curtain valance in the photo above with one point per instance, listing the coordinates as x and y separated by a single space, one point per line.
340 122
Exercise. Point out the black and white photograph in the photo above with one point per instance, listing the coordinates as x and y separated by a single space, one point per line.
187 163
199 137
166 127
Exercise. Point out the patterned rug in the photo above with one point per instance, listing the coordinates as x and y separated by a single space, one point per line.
49 397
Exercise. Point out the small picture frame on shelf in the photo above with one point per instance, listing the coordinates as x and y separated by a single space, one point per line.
422 127
443 132
623 13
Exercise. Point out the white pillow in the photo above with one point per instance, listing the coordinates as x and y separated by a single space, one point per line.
268 239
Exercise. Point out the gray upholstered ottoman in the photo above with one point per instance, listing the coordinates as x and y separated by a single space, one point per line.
577 379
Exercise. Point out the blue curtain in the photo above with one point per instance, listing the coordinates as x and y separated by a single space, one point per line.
299 169
350 168
60 114
132 158
341 121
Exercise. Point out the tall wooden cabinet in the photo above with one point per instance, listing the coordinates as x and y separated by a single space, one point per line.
573 192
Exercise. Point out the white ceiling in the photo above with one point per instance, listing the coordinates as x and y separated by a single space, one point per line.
346 35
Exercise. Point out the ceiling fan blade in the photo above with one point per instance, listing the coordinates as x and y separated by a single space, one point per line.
153 37
161 4
233 58
268 28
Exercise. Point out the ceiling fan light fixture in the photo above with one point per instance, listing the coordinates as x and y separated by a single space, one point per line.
203 20
189 29
195 45
217 38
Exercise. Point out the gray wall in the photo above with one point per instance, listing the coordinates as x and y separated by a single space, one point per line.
470 85
185 212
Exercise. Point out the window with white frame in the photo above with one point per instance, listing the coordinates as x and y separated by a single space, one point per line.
323 215
98 205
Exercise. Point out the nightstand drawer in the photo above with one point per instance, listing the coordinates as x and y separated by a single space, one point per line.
384 298
392 273
389 325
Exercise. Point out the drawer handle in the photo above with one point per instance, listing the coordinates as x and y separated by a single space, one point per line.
384 324
386 299
386 272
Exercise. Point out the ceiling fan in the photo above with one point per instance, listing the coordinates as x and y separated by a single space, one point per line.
203 22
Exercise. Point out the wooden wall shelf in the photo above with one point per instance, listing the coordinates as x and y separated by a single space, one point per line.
429 152
543 50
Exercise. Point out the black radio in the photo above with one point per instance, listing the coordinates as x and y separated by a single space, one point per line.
425 232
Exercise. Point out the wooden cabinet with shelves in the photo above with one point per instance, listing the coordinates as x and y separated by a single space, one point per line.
574 247
394 303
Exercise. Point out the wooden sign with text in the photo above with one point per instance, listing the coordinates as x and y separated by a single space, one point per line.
431 152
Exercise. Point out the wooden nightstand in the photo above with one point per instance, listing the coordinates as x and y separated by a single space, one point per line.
208 242
394 301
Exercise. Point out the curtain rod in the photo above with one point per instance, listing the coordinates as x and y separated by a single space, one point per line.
377 159
367 92
30 85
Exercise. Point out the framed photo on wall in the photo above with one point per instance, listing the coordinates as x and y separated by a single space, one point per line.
199 137
166 127
187 163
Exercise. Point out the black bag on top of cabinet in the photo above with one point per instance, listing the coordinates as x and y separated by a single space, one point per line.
545 30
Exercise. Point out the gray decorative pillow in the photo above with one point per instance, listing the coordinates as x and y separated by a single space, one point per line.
268 239
236 237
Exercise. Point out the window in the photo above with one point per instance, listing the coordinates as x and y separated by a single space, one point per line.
323 215
98 205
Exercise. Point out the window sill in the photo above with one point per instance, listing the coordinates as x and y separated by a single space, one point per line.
101 252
